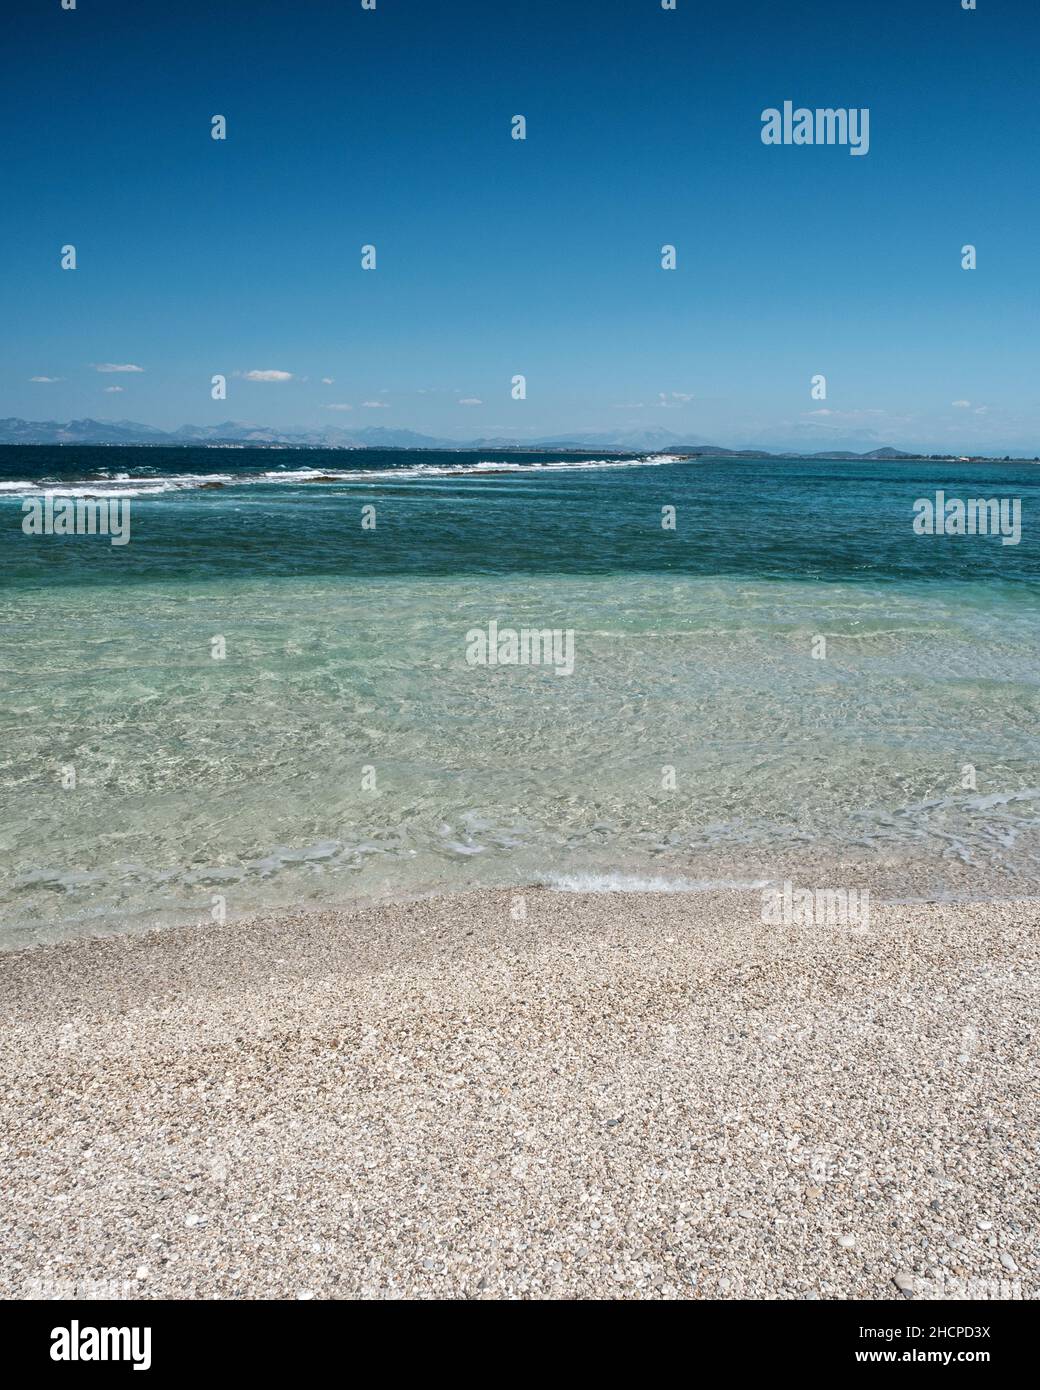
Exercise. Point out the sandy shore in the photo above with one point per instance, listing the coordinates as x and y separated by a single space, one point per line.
635 1096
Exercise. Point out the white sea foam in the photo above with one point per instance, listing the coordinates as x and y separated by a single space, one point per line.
118 487
122 485
634 883
456 470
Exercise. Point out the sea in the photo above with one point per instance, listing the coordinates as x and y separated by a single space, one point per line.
272 696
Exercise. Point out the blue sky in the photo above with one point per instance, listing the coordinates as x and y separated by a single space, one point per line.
540 257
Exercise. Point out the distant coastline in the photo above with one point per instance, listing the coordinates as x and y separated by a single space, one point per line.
16 432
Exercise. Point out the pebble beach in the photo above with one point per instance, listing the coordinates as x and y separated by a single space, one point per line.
527 1095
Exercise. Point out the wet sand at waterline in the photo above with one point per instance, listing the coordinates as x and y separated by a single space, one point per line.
621 1095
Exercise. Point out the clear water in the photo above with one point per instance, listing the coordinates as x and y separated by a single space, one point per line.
245 777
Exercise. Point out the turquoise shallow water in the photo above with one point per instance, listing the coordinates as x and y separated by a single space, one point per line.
343 748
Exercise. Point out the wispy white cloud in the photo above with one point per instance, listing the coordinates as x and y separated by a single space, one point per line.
326 381
470 400
269 374
46 378
961 405
109 389
338 405
842 414
375 405
116 367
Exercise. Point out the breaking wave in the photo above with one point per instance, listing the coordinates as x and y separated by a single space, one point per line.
145 485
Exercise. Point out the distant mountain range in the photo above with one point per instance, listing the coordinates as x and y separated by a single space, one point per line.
233 433
16 431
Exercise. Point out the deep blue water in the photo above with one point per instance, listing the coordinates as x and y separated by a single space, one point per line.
762 518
